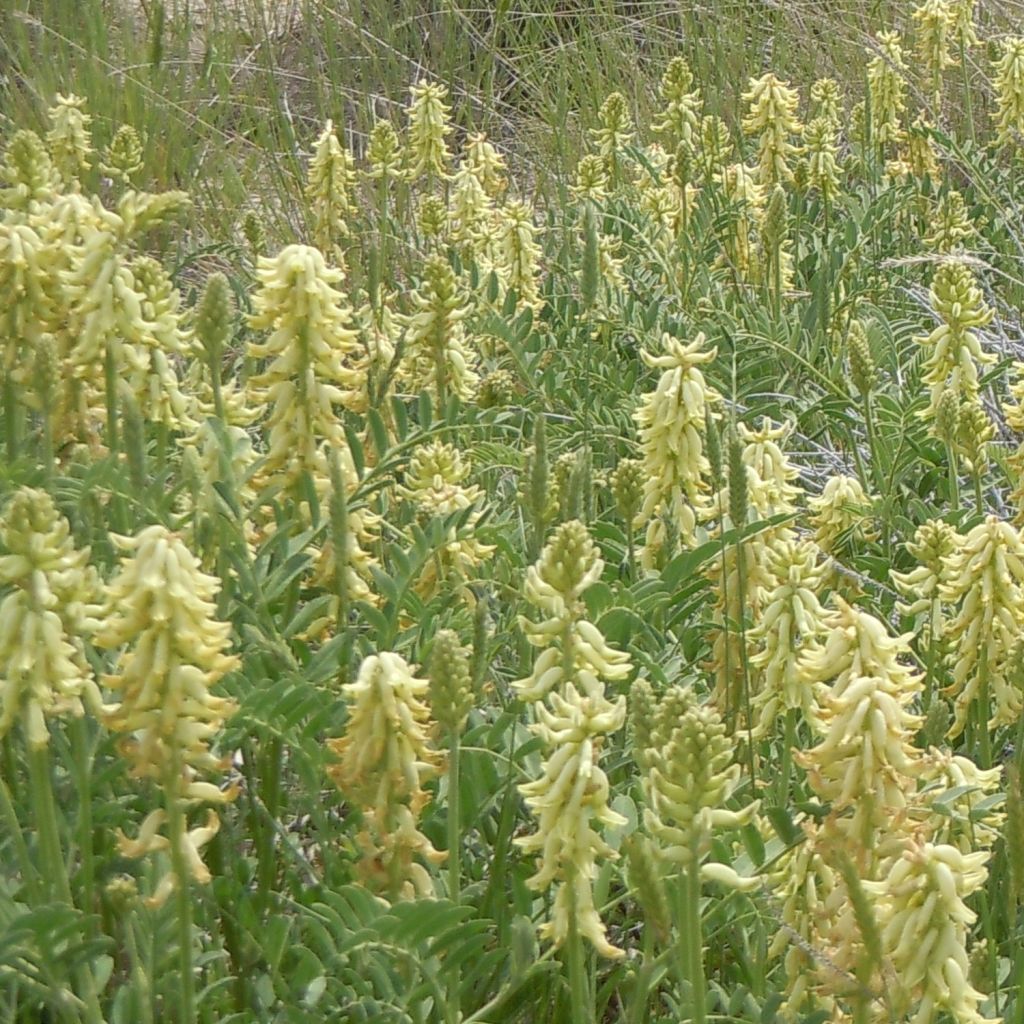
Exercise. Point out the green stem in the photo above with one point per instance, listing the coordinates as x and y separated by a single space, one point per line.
454 860
10 419
741 573
9 816
579 994
454 850
110 382
691 943
954 482
56 884
177 828
979 497
968 101
54 870
786 768
83 768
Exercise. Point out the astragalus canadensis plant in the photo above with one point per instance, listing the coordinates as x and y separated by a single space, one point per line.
456 572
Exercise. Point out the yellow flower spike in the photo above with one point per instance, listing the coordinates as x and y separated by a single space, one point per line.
841 510
384 757
936 26
429 127
151 378
124 157
572 793
517 254
161 611
974 432
615 130
772 117
827 102
950 223
162 604
1009 87
486 164
821 155
69 140
434 482
758 464
451 683
964 31
886 88
805 882
716 145
591 179
791 617
858 644
438 358
746 198
314 366
49 608
27 173
933 543
384 153
329 185
986 581
865 764
574 649
954 347
470 214
924 925
680 117
690 776
672 421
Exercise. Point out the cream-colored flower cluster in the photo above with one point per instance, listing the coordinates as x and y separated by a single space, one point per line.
672 421
573 718
954 351
161 617
772 117
49 605
435 484
384 757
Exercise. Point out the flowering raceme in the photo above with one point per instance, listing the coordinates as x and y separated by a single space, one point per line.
161 607
688 776
49 605
329 190
954 348
435 483
572 792
924 922
429 127
437 355
311 340
772 117
985 579
841 509
886 87
680 119
672 421
792 616
1009 86
384 758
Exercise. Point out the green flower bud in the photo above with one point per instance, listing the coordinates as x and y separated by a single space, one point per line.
451 684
